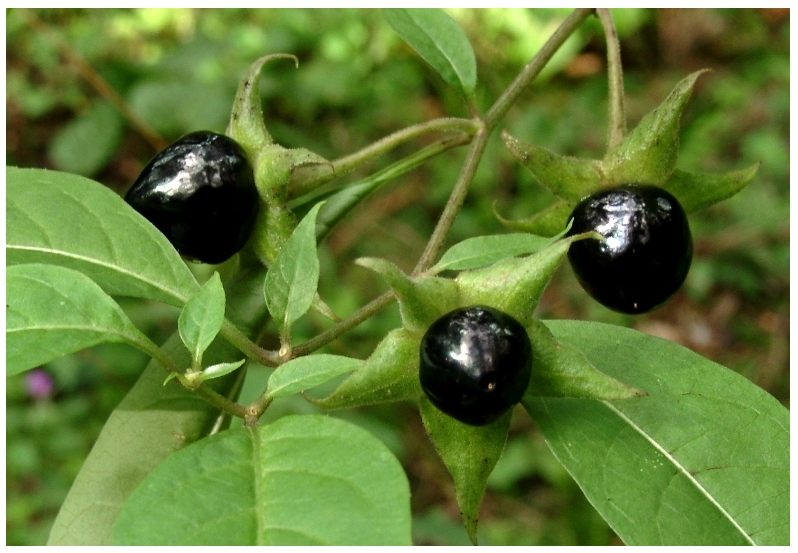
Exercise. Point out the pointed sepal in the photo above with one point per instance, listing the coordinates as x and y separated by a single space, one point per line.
567 177
699 190
389 374
469 453
559 370
648 153
422 300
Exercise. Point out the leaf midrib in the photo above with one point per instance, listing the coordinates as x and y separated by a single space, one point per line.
94 261
679 467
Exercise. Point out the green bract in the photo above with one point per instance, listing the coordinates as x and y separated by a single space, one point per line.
647 154
512 285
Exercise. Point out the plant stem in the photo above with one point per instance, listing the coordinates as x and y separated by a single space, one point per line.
347 164
533 68
343 326
454 203
211 396
248 347
617 116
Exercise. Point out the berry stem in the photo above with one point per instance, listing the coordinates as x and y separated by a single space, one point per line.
454 203
347 164
533 68
617 116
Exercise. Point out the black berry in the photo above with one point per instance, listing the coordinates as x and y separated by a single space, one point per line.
200 193
475 364
646 252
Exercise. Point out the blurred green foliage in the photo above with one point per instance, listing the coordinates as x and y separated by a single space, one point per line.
176 70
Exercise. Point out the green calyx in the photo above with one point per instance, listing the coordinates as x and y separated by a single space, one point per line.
513 285
647 154
275 166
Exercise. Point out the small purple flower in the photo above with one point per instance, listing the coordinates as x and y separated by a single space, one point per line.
39 384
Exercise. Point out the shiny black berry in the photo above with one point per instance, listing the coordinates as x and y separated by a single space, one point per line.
475 364
200 193
646 252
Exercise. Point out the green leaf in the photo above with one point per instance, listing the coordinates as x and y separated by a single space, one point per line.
150 423
389 374
570 178
87 143
469 453
67 220
220 369
292 280
559 370
699 190
202 318
473 253
438 39
303 373
648 153
702 459
303 480
52 311
421 299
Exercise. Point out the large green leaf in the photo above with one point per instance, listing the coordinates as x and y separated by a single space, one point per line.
53 311
292 279
702 459
438 39
67 220
150 423
303 480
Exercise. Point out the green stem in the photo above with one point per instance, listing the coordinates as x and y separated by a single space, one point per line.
617 117
248 347
533 68
347 164
343 326
211 396
455 202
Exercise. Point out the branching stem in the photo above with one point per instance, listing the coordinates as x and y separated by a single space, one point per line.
617 116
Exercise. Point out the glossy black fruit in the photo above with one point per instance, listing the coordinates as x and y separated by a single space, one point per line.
200 193
475 364
646 252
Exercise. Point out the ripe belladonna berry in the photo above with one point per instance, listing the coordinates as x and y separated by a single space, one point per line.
200 193
646 252
475 364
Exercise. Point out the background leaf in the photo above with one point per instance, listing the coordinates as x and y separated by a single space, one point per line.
150 423
202 317
303 480
477 252
67 220
702 459
292 280
469 453
438 39
303 373
52 311
88 142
